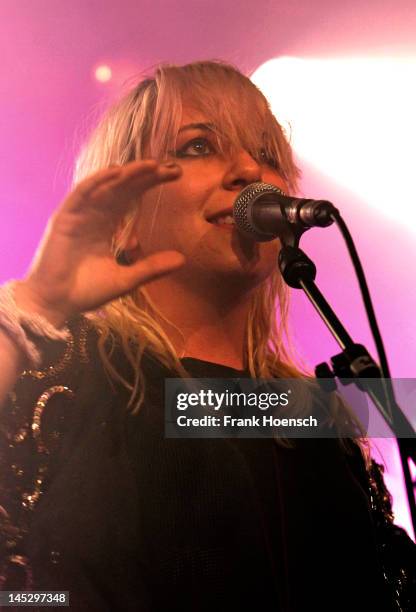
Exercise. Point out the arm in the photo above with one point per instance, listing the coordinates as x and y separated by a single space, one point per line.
74 269
12 357
12 360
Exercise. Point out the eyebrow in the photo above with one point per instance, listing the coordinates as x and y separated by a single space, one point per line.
198 126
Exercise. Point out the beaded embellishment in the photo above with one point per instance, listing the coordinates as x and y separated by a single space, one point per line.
13 536
399 570
27 444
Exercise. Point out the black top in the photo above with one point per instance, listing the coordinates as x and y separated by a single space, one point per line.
129 520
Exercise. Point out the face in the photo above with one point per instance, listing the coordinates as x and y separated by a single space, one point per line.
188 215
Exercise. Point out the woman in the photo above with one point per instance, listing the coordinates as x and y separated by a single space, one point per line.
96 501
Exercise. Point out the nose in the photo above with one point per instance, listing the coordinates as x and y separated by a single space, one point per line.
242 169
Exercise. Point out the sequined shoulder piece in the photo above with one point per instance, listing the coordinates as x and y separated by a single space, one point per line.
396 550
28 443
380 498
60 356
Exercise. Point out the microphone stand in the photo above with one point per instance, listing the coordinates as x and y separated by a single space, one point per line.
354 362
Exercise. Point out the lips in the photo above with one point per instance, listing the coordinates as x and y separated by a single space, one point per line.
223 217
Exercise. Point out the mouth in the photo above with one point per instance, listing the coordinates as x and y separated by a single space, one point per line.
223 219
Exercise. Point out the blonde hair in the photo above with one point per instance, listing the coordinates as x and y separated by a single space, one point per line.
147 119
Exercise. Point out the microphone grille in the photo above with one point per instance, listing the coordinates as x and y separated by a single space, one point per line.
243 205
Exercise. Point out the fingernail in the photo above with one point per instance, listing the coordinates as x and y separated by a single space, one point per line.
169 165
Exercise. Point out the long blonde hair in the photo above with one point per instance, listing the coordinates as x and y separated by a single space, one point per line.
148 118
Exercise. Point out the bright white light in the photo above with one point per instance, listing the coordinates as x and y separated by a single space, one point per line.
353 119
103 73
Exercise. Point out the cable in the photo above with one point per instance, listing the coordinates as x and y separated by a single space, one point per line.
384 366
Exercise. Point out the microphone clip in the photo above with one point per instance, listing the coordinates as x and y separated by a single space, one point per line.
295 266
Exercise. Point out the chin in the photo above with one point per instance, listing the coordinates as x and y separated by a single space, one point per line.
247 277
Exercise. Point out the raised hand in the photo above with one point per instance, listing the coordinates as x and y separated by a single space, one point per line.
74 269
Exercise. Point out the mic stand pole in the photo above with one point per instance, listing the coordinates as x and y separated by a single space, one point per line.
354 362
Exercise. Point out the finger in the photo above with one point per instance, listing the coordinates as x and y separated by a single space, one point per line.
118 192
120 175
132 184
86 187
148 269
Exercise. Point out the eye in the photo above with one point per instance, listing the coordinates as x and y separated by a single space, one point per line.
197 147
265 158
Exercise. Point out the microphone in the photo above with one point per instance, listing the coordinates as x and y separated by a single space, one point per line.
263 212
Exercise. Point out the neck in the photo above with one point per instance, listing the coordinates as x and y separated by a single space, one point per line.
208 324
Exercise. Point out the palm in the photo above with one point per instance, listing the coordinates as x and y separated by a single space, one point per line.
74 269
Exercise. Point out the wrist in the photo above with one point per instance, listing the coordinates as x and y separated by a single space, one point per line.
18 323
28 301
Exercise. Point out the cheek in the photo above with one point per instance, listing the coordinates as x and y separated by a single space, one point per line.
147 227
174 199
168 218
269 252
271 176
265 263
